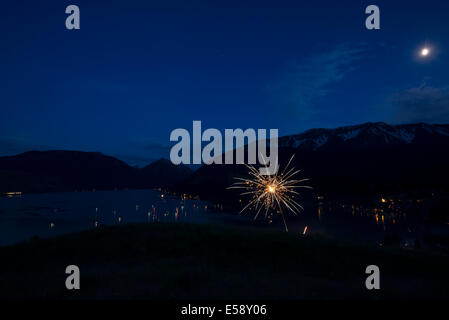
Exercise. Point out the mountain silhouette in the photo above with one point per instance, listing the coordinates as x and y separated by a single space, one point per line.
164 172
367 159
45 171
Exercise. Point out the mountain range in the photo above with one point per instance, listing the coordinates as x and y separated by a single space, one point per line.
367 159
369 134
46 171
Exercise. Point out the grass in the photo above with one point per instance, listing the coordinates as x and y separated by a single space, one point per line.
187 261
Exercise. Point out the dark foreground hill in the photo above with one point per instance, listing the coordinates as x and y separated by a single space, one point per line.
184 261
43 171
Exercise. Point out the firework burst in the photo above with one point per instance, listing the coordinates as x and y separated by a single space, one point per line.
273 193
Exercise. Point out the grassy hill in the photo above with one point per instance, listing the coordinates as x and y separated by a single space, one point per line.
186 261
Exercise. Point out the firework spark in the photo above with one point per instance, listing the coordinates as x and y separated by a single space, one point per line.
272 193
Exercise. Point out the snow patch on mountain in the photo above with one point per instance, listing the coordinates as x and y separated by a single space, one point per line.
368 133
442 131
320 141
297 143
405 135
350 134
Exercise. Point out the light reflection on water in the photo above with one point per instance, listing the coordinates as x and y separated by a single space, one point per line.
24 216
371 221
49 214
379 221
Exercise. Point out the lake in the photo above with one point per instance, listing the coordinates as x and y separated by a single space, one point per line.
23 216
27 215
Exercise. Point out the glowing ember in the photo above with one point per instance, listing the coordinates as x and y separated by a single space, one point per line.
305 230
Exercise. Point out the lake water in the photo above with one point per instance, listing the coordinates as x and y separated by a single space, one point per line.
43 215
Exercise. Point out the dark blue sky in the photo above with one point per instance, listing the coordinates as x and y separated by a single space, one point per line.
139 69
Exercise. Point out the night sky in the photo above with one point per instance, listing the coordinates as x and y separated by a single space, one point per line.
136 70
